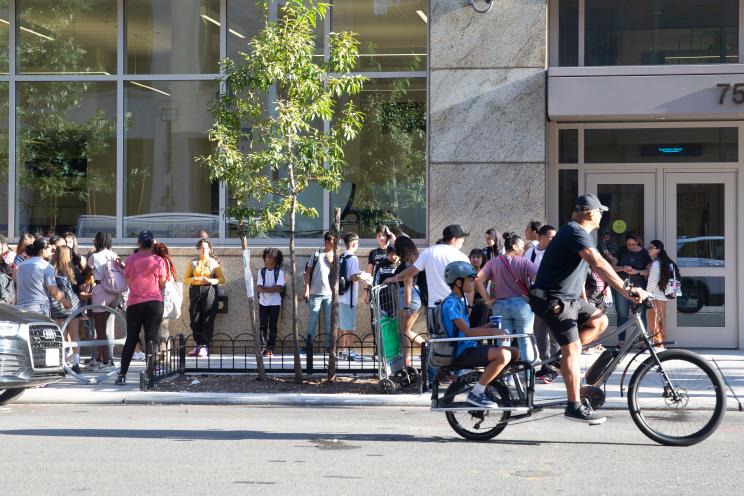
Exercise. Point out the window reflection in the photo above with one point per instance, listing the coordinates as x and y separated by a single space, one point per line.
568 191
66 36
392 33
4 36
244 20
700 225
568 33
66 162
702 303
166 190
172 36
643 32
386 178
3 158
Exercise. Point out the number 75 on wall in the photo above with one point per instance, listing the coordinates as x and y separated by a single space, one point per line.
737 92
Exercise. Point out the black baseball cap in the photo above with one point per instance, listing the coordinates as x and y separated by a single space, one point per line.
453 231
145 237
588 202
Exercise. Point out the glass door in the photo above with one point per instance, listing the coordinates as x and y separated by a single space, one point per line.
700 234
630 197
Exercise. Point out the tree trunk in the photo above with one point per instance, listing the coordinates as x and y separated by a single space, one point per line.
293 278
334 297
252 311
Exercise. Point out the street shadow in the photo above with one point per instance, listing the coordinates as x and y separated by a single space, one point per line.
240 435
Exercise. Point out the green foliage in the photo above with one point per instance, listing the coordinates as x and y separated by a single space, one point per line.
268 155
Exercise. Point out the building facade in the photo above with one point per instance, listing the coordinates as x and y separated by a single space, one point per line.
487 119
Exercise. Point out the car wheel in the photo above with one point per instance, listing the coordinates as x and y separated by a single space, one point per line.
7 395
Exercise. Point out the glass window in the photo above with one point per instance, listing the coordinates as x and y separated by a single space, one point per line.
244 20
66 37
392 33
643 32
568 146
3 158
172 36
568 33
700 225
703 302
66 149
568 191
386 176
653 145
4 36
167 191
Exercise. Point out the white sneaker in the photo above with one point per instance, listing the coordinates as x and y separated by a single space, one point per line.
354 356
138 355
93 365
107 367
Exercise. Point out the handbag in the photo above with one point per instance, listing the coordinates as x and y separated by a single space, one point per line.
172 300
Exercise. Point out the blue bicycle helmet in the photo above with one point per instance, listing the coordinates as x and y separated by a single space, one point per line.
458 270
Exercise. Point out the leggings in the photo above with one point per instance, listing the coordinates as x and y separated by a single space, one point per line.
147 314
202 311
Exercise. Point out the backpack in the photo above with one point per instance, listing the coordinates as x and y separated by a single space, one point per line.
344 281
440 354
283 292
112 277
674 284
7 289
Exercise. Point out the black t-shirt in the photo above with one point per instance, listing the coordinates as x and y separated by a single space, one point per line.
376 257
384 270
562 271
639 260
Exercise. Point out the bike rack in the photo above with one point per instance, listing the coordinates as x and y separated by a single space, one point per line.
94 342
723 376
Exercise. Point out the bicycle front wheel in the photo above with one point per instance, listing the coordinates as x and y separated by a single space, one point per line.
683 411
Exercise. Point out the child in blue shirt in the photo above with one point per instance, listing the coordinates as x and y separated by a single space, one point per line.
460 277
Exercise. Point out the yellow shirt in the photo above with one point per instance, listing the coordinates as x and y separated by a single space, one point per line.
204 267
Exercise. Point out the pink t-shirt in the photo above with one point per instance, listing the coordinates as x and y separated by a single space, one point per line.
143 272
504 284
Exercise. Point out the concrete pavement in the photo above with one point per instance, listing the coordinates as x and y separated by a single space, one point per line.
731 363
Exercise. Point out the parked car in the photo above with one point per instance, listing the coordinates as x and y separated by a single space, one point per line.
699 292
31 351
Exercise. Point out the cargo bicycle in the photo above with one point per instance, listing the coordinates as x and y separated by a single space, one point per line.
675 397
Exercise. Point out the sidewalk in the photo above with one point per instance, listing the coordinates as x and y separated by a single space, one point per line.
731 363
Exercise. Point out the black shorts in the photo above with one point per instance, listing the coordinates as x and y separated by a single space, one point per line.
565 324
473 357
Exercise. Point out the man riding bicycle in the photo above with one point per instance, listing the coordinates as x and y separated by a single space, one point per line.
556 296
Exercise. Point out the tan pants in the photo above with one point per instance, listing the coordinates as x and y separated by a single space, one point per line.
657 321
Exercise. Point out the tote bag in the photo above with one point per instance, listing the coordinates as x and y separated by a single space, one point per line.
172 300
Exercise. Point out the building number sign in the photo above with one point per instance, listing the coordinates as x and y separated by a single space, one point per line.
737 92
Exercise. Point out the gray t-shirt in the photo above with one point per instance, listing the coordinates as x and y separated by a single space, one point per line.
320 283
562 271
32 278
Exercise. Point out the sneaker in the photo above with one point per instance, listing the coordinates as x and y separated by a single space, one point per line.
93 365
76 368
194 352
549 376
138 355
303 351
354 356
107 367
121 380
344 355
585 414
203 352
481 400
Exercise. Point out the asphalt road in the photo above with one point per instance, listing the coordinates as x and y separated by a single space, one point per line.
180 450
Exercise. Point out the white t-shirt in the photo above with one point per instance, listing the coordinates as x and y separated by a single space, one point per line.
538 254
434 260
270 299
99 259
352 269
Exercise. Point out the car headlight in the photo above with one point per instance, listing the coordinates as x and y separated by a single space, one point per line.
8 329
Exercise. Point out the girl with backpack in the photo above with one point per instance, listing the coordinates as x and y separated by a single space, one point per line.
203 275
66 276
409 294
662 270
271 288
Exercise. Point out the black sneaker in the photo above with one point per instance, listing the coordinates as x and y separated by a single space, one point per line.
584 413
76 368
121 380
549 376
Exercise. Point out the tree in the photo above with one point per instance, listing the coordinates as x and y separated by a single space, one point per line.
286 140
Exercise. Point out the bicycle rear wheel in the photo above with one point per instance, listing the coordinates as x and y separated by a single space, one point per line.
476 425
685 415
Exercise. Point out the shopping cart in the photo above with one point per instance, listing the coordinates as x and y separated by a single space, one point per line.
391 362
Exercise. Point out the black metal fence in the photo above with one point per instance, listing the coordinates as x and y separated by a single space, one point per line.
228 354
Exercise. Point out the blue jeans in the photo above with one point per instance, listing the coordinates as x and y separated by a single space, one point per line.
315 304
622 308
517 318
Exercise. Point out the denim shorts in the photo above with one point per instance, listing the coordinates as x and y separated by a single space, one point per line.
415 299
346 317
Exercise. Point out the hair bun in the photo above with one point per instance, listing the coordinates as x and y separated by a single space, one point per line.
509 235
